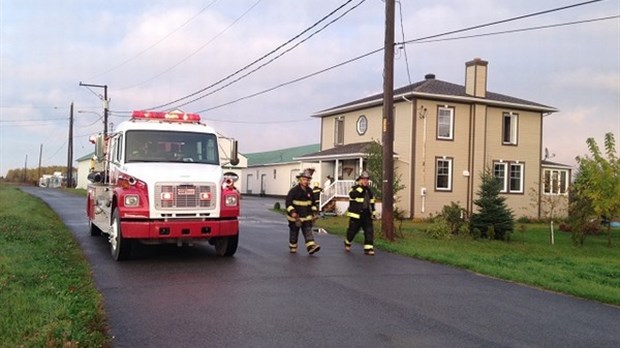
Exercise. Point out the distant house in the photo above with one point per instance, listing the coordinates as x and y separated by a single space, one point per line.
273 172
83 168
445 135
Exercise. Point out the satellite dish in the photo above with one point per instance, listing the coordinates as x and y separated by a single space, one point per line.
547 155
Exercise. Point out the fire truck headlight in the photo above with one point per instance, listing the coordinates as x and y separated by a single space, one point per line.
231 201
132 201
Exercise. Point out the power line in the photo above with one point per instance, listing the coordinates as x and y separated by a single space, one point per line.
511 19
255 61
154 44
549 26
195 51
272 59
404 47
419 40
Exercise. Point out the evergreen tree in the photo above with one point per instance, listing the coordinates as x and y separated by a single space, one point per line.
494 219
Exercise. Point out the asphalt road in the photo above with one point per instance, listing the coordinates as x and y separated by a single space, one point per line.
265 297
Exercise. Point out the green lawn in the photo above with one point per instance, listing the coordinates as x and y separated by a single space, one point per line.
591 271
47 295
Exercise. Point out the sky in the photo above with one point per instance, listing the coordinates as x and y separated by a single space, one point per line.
150 53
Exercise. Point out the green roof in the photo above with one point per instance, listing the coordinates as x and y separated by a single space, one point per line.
280 156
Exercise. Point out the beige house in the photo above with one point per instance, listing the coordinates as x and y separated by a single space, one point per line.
445 135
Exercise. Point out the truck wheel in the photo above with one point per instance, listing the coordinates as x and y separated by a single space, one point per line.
120 248
94 230
226 246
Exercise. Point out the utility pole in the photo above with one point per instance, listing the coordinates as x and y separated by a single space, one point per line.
25 169
70 150
40 155
106 104
387 205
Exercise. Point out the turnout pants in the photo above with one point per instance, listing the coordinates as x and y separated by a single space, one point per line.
306 230
365 223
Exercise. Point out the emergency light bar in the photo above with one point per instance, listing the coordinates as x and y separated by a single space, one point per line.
166 116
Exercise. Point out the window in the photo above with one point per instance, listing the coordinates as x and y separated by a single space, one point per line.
509 129
510 176
339 131
445 123
362 125
555 181
499 170
170 146
443 174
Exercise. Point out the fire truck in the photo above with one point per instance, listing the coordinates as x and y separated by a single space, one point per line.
158 179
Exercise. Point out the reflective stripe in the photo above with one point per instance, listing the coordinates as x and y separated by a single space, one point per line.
372 200
347 243
302 203
292 245
359 189
305 218
314 208
310 243
368 247
359 200
353 215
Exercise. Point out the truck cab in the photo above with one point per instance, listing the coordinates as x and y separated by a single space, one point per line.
158 179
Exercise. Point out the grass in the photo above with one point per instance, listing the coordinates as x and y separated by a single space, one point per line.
47 294
591 271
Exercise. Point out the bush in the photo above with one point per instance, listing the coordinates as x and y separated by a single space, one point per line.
276 206
454 216
439 229
524 220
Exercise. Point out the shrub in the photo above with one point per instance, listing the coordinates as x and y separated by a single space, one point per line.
276 206
454 216
439 229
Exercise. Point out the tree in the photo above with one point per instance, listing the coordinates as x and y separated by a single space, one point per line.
374 165
494 219
598 181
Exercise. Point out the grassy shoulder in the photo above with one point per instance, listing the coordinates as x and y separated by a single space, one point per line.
591 271
47 292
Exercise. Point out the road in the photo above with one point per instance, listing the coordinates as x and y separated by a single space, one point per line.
265 297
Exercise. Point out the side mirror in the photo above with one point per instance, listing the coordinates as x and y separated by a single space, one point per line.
234 155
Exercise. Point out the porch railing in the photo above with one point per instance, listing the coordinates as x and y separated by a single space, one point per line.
339 188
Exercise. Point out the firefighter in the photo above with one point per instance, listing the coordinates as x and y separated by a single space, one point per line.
316 195
361 213
300 209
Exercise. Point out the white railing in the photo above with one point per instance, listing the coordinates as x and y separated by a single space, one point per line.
338 188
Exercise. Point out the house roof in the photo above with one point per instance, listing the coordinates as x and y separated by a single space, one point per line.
546 163
279 156
437 89
353 150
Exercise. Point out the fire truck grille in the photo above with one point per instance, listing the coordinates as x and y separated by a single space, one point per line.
179 196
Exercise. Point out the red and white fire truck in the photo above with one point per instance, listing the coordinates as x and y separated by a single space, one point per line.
158 179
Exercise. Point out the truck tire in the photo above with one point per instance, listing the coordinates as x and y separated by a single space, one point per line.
94 230
120 248
226 246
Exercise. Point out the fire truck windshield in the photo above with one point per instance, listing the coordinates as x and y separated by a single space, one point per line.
170 146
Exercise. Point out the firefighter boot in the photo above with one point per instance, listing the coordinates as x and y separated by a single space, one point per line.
369 250
312 247
292 248
347 245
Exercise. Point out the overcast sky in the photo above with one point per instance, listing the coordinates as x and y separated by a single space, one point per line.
152 52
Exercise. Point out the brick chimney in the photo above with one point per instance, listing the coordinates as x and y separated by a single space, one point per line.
476 78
